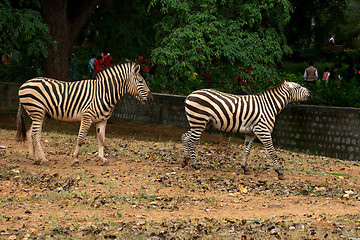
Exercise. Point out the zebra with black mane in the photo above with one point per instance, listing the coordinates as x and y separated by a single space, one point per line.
88 101
253 115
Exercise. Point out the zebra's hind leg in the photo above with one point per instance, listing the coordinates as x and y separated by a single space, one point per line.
35 132
185 140
100 131
30 144
192 142
265 138
84 128
249 138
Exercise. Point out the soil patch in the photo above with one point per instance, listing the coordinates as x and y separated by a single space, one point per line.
145 194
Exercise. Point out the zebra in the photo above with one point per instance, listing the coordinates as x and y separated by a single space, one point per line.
88 101
253 115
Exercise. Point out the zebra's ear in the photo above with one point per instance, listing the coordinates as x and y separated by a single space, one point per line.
136 69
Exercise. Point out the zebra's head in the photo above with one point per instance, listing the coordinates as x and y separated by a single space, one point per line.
138 87
297 93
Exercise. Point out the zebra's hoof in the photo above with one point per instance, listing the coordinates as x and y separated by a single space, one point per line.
75 163
247 172
37 162
281 177
104 162
195 166
184 163
44 162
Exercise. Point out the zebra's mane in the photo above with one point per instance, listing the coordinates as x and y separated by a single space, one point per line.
274 87
132 63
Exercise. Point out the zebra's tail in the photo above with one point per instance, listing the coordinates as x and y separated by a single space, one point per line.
21 130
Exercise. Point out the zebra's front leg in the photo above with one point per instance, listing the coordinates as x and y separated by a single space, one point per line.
100 130
276 165
266 139
249 138
84 128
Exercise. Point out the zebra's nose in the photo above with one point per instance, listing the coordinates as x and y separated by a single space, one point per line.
310 95
150 98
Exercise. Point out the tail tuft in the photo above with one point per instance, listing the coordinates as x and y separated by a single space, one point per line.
21 130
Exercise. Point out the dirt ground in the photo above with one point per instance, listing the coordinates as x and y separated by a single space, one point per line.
145 194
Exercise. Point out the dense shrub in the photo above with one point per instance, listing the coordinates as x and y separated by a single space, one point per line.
337 93
222 77
226 78
20 68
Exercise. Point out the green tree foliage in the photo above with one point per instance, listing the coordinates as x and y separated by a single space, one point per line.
313 22
22 30
349 29
24 38
193 37
123 27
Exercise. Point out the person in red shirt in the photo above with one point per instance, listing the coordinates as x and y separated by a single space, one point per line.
326 75
98 64
107 60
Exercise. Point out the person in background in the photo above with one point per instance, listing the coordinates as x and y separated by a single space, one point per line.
332 40
102 52
107 60
91 67
98 64
326 75
311 74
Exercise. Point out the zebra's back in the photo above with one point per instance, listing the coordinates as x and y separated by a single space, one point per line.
61 100
227 112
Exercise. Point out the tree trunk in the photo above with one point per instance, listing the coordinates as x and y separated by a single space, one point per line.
65 19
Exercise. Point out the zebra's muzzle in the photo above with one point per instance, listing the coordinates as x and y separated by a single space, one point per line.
149 99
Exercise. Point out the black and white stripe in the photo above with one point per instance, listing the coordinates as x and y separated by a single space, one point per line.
88 101
253 115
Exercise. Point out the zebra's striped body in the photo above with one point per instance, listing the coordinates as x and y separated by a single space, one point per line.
253 115
88 101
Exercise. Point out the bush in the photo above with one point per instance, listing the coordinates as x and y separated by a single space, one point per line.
337 93
21 68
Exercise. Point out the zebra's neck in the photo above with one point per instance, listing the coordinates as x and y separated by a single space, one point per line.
112 84
276 98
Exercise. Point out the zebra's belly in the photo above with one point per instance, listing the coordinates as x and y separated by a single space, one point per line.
76 118
234 128
67 116
244 130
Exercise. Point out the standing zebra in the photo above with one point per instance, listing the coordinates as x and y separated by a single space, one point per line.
87 101
253 115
